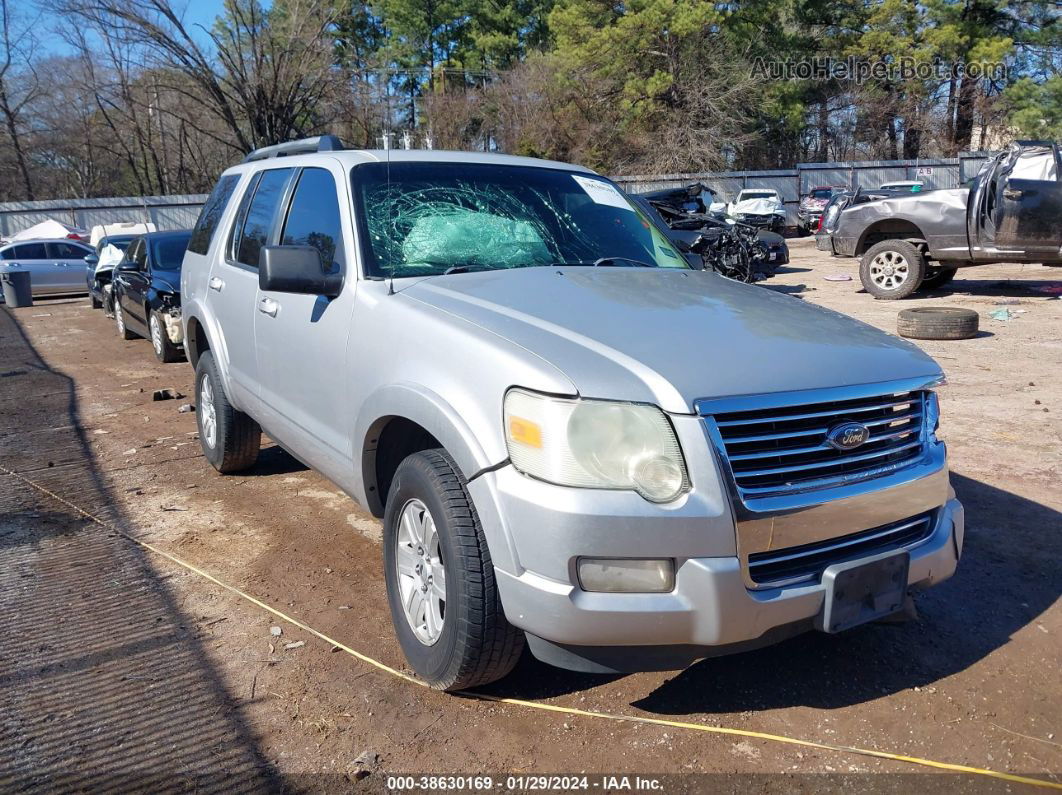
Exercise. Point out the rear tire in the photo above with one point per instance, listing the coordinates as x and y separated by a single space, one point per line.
96 302
230 439
892 269
937 323
475 643
165 351
119 322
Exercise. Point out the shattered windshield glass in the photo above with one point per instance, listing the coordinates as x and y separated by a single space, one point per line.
427 218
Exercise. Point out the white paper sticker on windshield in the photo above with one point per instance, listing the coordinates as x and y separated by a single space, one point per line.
602 192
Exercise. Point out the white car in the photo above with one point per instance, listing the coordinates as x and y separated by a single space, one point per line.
909 185
760 207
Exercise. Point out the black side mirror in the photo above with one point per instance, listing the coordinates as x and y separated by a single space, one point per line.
92 260
296 269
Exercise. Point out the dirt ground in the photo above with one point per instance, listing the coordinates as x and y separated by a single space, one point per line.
118 665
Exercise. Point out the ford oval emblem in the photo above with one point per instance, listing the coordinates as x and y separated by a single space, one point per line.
847 435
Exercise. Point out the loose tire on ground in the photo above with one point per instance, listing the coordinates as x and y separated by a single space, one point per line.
230 439
892 269
476 644
165 351
937 323
938 277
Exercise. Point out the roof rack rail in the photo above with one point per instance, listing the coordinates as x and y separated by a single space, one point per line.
321 143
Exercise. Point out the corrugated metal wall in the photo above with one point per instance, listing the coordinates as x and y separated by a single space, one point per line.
166 212
180 212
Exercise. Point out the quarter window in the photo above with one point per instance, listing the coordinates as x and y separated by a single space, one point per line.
210 216
313 219
258 221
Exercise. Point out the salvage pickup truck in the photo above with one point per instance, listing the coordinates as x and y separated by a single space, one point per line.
574 439
1010 212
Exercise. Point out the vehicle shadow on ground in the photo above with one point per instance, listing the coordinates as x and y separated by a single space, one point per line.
1007 577
996 288
106 683
274 460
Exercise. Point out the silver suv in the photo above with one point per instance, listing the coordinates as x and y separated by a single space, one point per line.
573 439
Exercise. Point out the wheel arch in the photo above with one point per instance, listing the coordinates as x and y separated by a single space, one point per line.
889 229
402 419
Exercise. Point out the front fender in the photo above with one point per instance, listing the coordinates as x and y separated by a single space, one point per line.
435 414
432 412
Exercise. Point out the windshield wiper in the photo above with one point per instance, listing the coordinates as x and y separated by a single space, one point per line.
635 263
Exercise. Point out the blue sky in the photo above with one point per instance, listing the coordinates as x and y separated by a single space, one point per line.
200 12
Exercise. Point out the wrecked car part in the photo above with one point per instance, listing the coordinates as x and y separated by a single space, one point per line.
937 323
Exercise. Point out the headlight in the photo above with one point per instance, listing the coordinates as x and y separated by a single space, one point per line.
595 444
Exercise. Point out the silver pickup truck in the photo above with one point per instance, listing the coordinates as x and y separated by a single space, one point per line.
574 440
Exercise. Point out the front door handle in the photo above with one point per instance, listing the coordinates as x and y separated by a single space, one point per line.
1012 193
216 284
268 306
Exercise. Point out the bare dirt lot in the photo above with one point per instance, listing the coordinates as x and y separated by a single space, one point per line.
119 666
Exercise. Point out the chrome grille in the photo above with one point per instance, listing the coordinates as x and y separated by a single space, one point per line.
779 450
809 560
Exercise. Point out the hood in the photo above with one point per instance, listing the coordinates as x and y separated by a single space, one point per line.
758 206
670 337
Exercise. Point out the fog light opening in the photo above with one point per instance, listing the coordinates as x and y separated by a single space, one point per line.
626 575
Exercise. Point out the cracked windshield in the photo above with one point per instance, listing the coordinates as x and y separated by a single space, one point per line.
423 219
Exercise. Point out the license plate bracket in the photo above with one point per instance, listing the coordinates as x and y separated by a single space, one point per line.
863 590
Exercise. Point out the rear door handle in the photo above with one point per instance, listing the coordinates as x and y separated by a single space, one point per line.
216 284
1012 193
268 306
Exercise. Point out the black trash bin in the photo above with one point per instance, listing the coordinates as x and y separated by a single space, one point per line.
16 285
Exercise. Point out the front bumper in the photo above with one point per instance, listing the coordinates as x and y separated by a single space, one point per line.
540 530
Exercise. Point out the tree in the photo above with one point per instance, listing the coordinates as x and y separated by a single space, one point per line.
17 69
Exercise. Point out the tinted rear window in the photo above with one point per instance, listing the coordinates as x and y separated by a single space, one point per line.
210 216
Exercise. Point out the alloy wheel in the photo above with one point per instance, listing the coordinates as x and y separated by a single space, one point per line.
156 334
421 572
208 417
889 270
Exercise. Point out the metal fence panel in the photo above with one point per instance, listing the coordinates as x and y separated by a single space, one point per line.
167 212
180 217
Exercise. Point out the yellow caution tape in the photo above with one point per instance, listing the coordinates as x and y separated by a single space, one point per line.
697 727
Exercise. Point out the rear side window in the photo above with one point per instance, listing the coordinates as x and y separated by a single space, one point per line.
313 219
210 216
258 221
31 251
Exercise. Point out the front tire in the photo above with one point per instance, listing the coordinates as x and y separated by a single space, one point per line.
230 439
165 351
938 277
892 269
440 579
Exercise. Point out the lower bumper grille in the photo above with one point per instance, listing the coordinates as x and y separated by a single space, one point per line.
809 560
